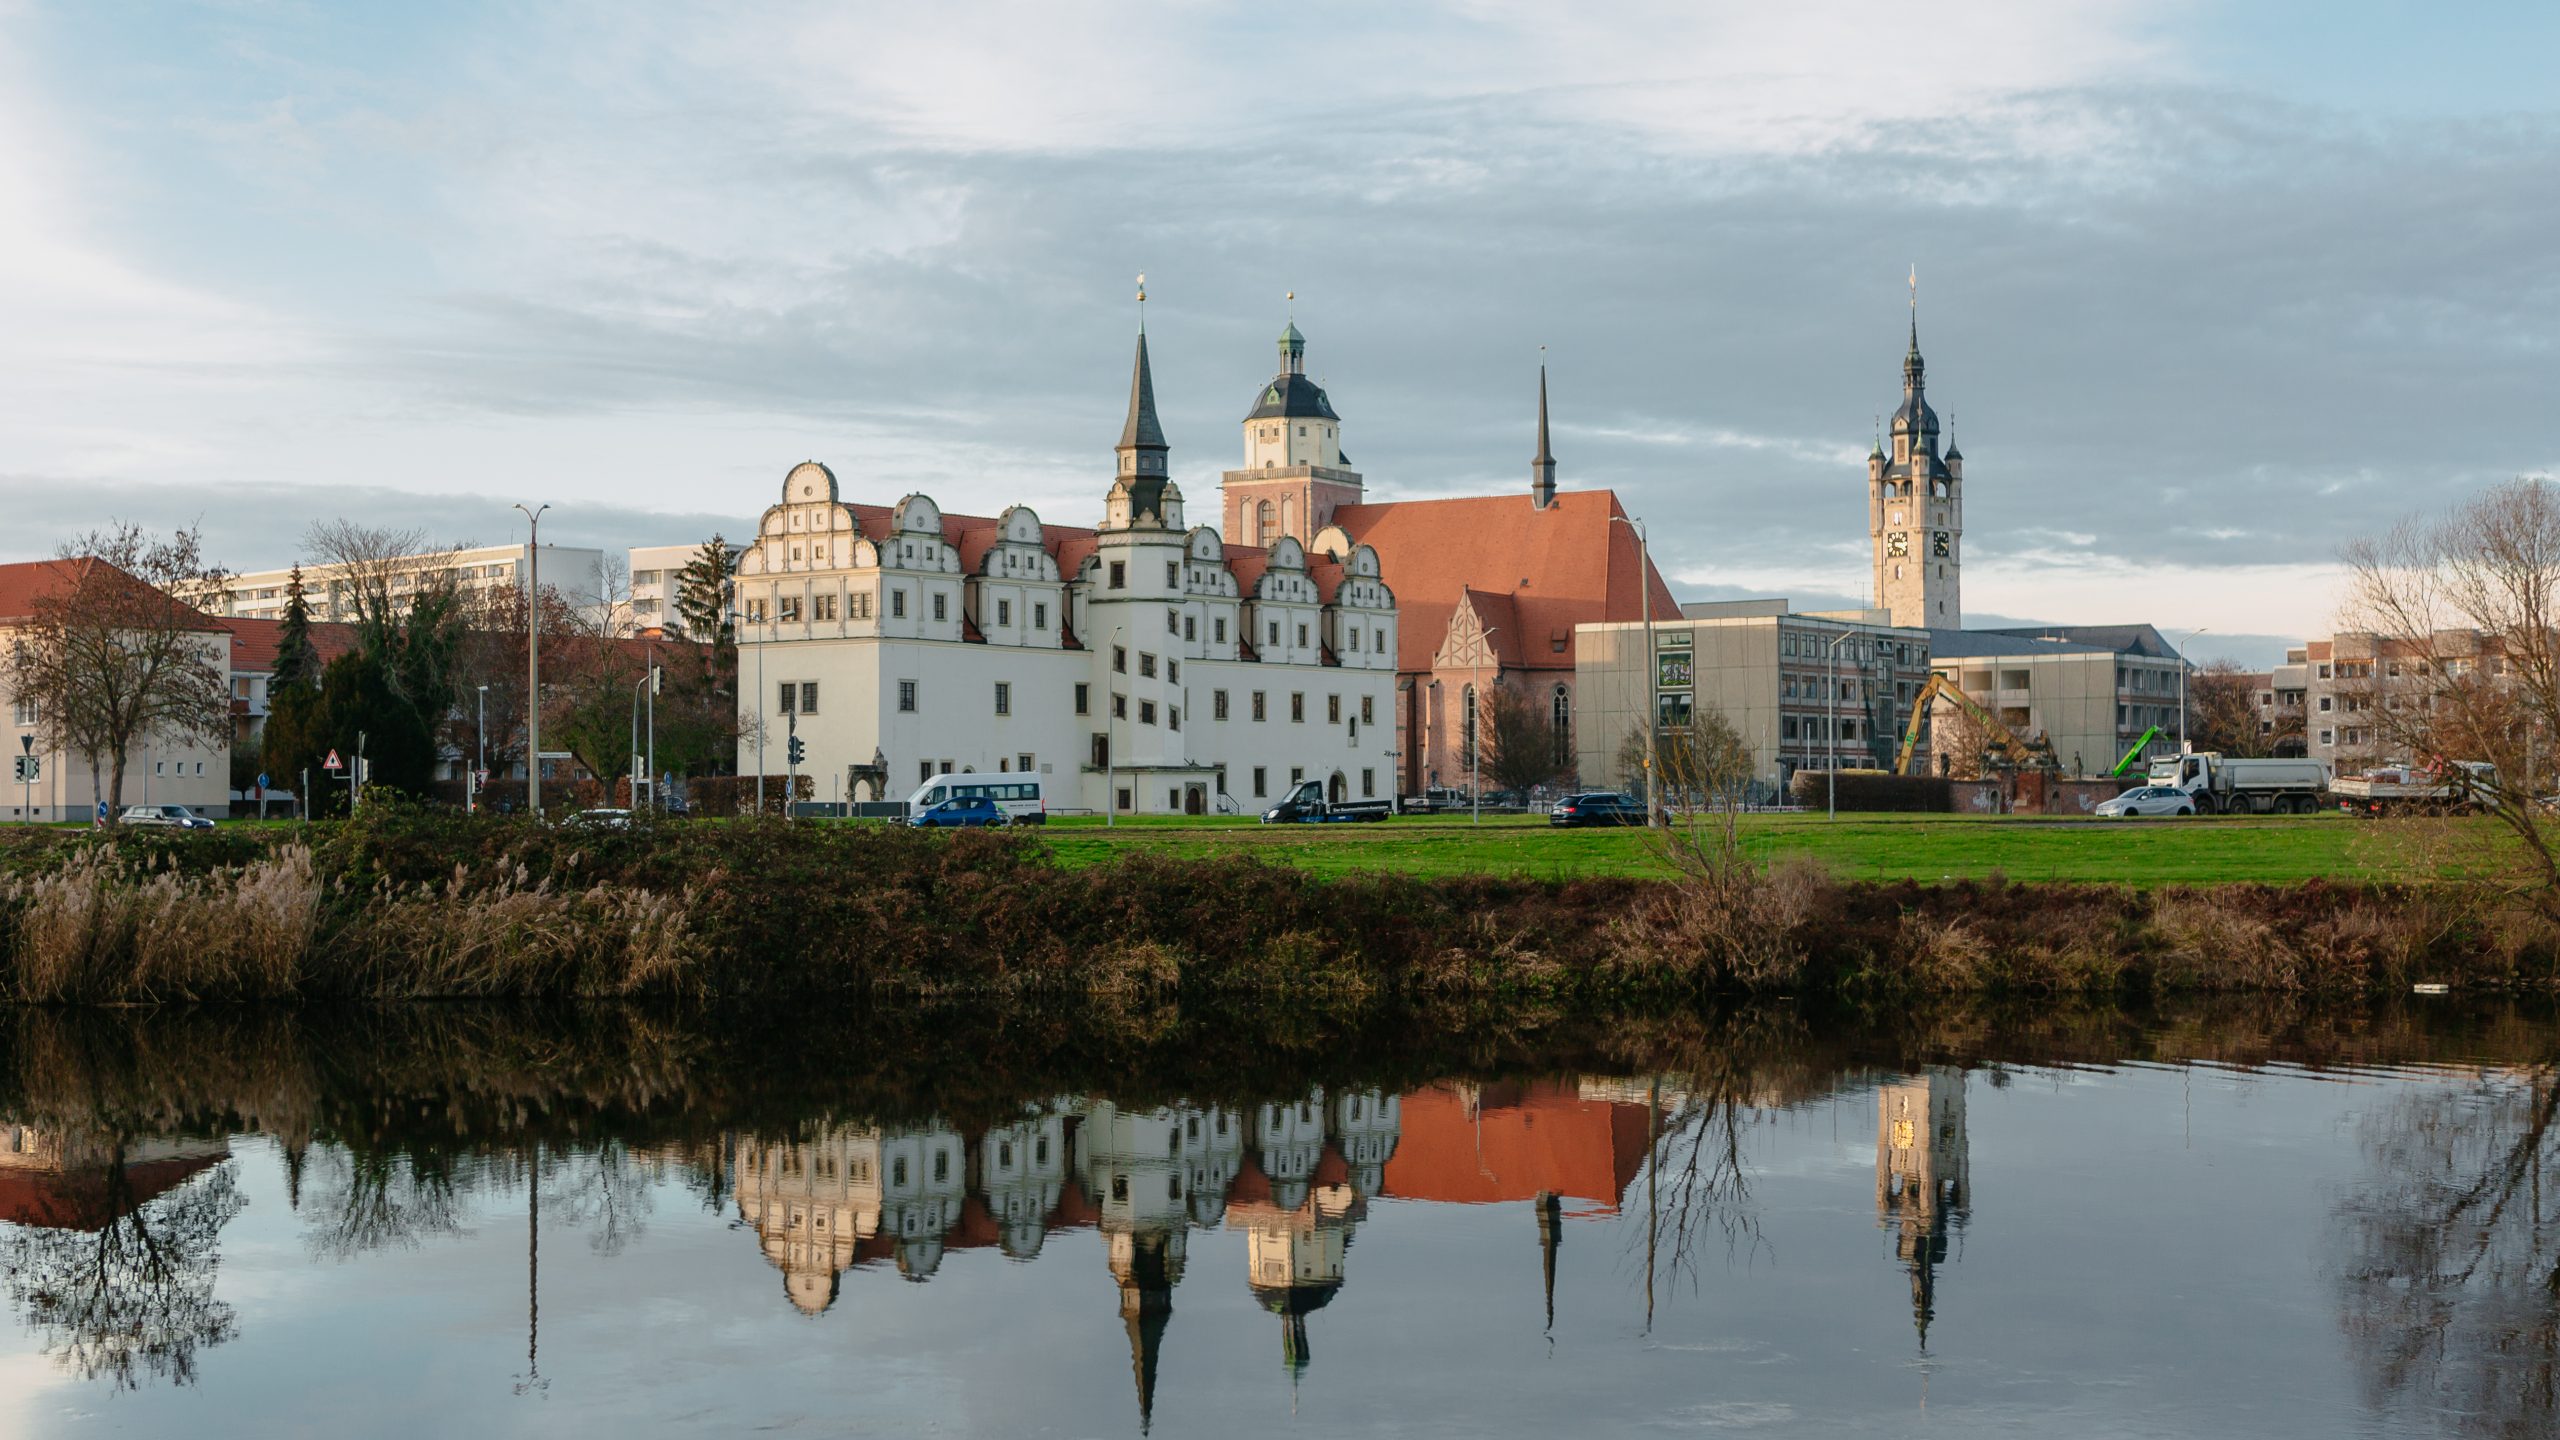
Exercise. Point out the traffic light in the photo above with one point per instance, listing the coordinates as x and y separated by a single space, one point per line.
797 750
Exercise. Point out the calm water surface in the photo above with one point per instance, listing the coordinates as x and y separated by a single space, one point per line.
2223 1222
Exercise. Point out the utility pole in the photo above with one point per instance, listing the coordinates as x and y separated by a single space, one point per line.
480 741
533 657
1110 762
2183 668
654 680
1831 799
1475 724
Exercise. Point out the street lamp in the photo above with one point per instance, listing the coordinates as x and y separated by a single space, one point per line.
480 739
533 657
2183 668
1475 724
1652 672
1831 734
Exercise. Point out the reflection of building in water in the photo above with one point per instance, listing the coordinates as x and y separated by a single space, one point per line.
1480 1144
846 1194
1021 1170
1135 1166
1924 1183
79 1182
1300 1202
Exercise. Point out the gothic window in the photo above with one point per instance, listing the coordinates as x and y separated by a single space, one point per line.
1562 721
1288 516
1264 521
1467 727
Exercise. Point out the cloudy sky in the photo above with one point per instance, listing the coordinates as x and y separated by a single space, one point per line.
2207 288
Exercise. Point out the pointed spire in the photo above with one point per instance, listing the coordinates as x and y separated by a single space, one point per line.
1542 466
1142 431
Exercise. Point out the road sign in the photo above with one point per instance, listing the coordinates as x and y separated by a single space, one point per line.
483 778
262 779
333 763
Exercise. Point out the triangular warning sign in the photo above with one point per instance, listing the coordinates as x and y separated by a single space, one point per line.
333 762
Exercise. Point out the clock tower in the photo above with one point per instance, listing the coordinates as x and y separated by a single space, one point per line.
1295 474
1915 510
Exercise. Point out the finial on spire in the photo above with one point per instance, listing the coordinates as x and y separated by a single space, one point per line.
1142 302
1293 306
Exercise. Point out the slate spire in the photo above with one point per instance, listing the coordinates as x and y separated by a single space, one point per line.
1542 467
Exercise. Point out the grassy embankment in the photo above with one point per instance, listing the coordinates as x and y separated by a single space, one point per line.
1925 848
420 904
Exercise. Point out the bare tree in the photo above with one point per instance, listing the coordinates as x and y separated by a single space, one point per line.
377 572
2466 662
2222 712
133 1296
1522 752
116 654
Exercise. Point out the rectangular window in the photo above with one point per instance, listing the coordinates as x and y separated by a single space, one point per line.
1380 636
1172 671
1297 776
1355 639
1120 659
924 770
1333 709
790 608
1023 764
1146 712
790 698
1120 581
1218 629
1146 665
1260 709
824 607
1173 717
1173 574
941 606
897 604
1302 637
1120 707
24 711
808 697
1124 807
1084 698
1275 634
1262 782
1368 784
907 696
1217 704
1172 624
1039 614
862 605
1368 710
1297 707
1190 627
1004 697
2324 704
2325 738
1004 612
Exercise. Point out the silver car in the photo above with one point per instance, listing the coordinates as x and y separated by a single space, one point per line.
2147 800
175 817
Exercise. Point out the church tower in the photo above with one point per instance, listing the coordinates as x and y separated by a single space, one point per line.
1295 474
1915 508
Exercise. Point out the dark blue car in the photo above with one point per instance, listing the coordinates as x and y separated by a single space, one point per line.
959 811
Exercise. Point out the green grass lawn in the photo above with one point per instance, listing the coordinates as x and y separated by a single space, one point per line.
1873 847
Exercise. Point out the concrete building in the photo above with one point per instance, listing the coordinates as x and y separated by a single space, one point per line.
654 572
2353 677
1805 691
48 784
577 574
1143 664
2092 691
2279 698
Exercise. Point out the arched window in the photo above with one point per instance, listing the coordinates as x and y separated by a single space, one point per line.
1288 516
1467 729
1561 718
1264 518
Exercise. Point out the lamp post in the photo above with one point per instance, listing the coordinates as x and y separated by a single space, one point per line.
2183 668
636 691
1652 673
1475 725
1831 733
480 740
533 657
1110 762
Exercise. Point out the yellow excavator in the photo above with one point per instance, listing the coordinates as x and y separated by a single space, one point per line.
2005 747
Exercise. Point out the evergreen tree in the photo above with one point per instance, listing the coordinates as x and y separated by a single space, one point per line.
289 745
702 593
297 662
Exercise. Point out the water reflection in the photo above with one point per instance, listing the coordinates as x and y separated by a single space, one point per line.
122 1170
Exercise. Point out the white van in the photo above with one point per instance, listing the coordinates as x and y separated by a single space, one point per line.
1018 795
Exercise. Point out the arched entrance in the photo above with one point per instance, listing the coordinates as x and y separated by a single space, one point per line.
1337 790
1195 800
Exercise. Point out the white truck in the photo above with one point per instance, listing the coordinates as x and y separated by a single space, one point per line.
2395 788
2223 784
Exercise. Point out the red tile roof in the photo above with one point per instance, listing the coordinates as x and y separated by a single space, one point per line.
1568 565
254 642
24 584
1541 1137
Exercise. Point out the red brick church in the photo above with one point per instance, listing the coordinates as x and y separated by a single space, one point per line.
1488 588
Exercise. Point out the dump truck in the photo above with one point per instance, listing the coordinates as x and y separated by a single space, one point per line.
2392 789
2227 785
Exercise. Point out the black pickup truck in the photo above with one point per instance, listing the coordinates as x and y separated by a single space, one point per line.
1306 805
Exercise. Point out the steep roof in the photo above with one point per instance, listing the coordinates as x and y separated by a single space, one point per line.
25 584
254 642
1570 564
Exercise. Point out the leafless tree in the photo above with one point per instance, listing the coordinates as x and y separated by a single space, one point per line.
2222 712
1522 752
2462 609
117 653
377 572
133 1297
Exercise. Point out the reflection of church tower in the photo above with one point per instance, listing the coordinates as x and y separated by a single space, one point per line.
1298 1237
813 1201
1134 1165
1924 1183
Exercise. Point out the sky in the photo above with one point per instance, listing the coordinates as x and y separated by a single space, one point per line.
2207 290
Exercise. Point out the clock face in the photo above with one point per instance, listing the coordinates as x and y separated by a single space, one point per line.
1897 544
1939 544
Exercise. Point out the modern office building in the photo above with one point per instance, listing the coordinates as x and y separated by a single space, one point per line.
577 574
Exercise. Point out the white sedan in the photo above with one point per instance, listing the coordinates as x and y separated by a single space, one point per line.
2148 800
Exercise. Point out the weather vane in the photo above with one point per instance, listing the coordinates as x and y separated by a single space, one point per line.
1142 302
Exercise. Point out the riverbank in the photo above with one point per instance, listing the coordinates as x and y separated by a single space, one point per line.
415 904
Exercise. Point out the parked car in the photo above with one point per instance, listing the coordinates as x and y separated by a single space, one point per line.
2147 800
958 812
599 819
1597 807
175 817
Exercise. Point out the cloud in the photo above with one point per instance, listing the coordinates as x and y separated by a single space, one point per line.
638 260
